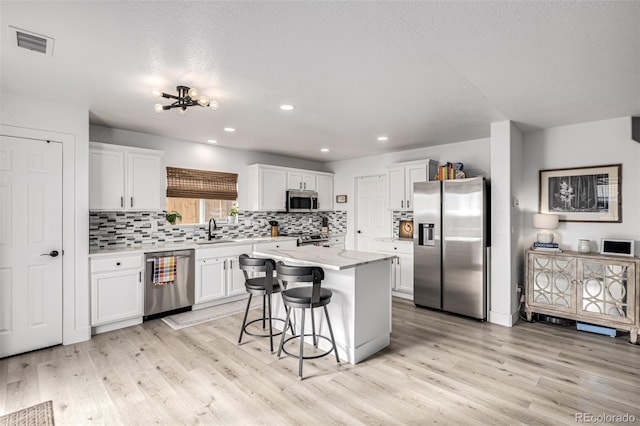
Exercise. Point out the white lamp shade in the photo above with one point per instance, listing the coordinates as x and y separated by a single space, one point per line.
545 221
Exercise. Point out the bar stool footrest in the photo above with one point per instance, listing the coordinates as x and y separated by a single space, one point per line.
267 329
306 356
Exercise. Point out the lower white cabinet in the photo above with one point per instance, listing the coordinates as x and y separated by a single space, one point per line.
117 290
218 274
401 266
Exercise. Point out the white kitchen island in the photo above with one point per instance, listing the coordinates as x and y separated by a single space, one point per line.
360 309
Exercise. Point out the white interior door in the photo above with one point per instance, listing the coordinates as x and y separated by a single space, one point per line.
30 244
371 211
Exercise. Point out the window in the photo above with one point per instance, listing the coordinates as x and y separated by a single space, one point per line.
198 195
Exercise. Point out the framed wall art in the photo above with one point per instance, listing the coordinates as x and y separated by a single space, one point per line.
341 198
583 194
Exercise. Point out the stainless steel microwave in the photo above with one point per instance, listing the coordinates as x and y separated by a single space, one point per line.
302 201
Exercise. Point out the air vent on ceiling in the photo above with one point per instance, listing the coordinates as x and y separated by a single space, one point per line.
33 41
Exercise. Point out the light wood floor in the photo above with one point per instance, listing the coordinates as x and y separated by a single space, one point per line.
439 369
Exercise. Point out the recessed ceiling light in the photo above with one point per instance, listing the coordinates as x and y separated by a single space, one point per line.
212 141
229 129
324 150
383 138
287 107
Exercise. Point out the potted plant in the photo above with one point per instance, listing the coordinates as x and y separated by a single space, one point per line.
233 213
173 216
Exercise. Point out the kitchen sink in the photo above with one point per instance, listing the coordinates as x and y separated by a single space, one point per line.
218 241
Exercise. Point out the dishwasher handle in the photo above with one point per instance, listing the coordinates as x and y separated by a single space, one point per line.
151 259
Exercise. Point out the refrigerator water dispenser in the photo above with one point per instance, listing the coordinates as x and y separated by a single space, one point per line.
426 234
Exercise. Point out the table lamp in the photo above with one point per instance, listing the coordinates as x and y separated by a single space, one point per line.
545 222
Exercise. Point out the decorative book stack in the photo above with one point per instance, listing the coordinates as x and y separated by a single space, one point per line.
546 246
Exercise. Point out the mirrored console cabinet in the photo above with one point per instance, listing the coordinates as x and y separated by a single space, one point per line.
589 288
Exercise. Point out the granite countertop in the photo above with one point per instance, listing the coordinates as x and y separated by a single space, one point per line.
151 248
325 257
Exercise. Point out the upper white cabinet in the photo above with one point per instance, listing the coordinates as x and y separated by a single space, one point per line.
125 178
298 179
267 186
324 187
402 176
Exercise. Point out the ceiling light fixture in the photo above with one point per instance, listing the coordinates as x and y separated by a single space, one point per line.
383 138
287 107
229 129
187 97
212 141
324 150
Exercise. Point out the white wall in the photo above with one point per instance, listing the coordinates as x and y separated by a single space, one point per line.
587 144
27 117
181 153
475 155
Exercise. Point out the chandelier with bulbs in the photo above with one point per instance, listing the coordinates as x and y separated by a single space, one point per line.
187 97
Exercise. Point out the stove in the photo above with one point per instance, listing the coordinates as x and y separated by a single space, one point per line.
315 239
308 239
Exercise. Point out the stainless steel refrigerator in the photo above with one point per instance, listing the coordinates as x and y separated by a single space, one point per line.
450 245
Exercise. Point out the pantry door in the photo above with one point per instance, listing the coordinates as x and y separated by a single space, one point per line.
371 210
30 244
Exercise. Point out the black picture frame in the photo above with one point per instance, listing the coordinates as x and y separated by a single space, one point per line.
582 194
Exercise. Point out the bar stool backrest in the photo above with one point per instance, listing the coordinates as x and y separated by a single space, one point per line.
253 264
301 274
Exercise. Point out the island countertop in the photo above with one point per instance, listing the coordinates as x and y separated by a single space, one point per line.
325 257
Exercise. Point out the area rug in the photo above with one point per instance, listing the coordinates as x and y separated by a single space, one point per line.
36 415
191 318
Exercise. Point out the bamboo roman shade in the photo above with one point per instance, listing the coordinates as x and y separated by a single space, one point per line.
191 183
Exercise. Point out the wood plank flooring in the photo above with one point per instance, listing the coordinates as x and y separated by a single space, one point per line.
439 368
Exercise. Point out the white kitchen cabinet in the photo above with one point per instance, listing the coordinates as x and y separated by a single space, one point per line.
402 265
324 187
404 274
125 178
106 193
235 277
218 275
210 279
267 186
117 290
298 179
401 178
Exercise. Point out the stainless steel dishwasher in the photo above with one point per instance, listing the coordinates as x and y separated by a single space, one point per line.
180 294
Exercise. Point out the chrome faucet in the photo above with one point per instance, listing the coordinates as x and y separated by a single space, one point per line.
212 221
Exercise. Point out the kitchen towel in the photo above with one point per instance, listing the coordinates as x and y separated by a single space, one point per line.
164 270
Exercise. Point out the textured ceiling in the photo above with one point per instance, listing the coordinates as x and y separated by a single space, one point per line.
422 73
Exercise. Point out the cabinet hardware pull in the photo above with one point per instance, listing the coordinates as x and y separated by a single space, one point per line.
131 201
121 201
117 263
407 203
140 276
231 264
402 204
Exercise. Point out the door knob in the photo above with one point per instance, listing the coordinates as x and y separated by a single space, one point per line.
359 231
52 253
